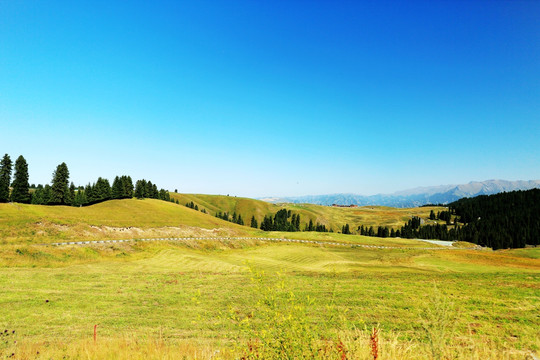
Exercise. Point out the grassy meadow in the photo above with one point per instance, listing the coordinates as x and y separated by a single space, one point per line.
114 219
249 299
332 217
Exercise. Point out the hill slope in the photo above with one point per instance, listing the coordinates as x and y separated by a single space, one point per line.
332 217
110 219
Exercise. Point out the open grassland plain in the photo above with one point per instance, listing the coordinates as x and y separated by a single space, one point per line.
249 299
332 217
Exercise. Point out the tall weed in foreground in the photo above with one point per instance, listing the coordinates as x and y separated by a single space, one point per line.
280 326
439 323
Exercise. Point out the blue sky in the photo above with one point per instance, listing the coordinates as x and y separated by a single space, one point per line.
273 98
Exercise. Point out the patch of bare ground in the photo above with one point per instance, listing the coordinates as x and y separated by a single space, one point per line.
45 232
167 231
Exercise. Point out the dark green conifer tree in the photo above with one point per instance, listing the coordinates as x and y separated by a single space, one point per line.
117 191
102 189
140 189
310 226
254 222
37 196
71 194
59 188
46 199
127 185
90 195
5 178
21 188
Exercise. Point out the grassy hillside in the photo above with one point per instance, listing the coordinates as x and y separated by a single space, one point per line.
110 219
332 217
206 299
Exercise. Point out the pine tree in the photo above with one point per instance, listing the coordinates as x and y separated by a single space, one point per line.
21 188
148 190
117 191
5 178
89 192
59 187
254 222
71 196
129 187
37 196
102 189
46 197
140 189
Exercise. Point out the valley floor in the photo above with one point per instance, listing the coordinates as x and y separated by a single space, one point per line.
217 299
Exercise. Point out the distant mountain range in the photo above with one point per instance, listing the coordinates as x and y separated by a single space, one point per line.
443 194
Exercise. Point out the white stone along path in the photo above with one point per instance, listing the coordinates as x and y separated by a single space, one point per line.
95 242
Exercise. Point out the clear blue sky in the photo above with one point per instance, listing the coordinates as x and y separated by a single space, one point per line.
273 98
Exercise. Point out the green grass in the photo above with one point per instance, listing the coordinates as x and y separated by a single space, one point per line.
127 219
190 299
332 217
182 294
120 219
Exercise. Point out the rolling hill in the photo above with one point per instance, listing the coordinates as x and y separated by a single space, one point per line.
332 217
132 218
115 219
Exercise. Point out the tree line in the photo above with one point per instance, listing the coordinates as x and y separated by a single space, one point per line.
500 221
62 192
235 218
193 206
280 221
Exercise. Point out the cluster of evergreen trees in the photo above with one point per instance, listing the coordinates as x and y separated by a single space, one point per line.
500 221
194 206
382 231
280 221
235 218
61 192
506 220
21 188
145 189
441 215
316 227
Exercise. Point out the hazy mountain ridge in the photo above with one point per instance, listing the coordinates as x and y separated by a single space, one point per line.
442 194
